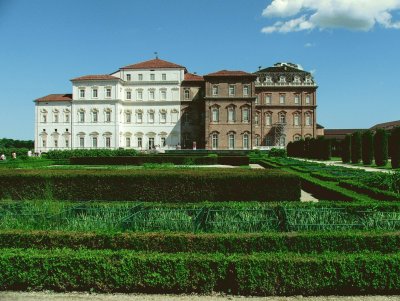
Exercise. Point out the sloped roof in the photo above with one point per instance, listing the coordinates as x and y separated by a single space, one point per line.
223 73
386 125
193 77
282 68
153 64
95 77
55 97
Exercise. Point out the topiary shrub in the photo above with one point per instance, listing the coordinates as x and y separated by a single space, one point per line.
395 147
381 147
367 147
356 147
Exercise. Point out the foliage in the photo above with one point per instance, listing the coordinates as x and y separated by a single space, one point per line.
367 147
381 147
356 147
66 154
15 144
277 152
346 149
395 147
316 149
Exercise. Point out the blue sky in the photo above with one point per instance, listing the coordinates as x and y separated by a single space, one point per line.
354 54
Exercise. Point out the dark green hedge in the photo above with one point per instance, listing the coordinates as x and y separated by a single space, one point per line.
66 154
311 242
367 147
381 147
346 149
257 274
356 147
151 185
395 147
159 159
370 191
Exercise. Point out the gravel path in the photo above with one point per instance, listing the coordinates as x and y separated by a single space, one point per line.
48 296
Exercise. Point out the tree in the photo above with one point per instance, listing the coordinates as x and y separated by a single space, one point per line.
381 147
367 147
346 149
395 147
356 147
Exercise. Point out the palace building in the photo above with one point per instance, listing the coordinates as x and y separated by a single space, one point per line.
158 104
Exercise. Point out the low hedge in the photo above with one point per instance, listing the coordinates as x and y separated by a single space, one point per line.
257 274
150 185
370 191
307 242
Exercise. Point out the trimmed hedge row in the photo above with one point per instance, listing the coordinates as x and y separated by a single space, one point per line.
311 242
370 191
150 185
178 160
257 274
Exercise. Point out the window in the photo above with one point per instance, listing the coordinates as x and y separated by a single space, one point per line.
231 141
308 119
268 119
174 116
151 117
246 91
56 118
163 117
44 118
128 141
151 95
187 94
256 119
95 116
215 90
245 141
164 76
94 93
108 141
128 95
215 115
108 92
81 116
282 118
297 138
257 140
282 141
268 141
81 141
163 141
66 142
128 117
231 90
268 99
94 142
214 141
66 117
231 114
282 98
55 143
108 116
152 76
258 99
246 115
82 93
163 95
44 143
139 142
151 143
140 95
296 120
308 99
128 77
296 99
140 76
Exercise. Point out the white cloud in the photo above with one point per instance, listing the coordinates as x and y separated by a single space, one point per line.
308 45
349 14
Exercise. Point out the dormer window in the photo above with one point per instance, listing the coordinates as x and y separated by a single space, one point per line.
187 94
268 79
282 79
308 80
296 80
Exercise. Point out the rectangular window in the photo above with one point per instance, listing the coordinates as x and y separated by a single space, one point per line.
246 91
66 117
128 142
215 115
268 99
296 120
163 95
139 142
308 120
152 76
140 95
140 77
151 143
268 119
128 117
151 95
163 117
215 90
296 99
44 118
214 141
108 92
94 93
94 142
245 141
231 90
163 141
231 141
139 117
128 95
282 98
257 141
81 116
82 93
187 94
44 143
151 117
95 117
231 115
128 77
246 115
108 141
55 143
174 117
66 142
164 76
308 99
82 142
108 116
257 99
56 118
256 121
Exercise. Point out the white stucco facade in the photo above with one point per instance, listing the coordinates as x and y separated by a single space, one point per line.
136 107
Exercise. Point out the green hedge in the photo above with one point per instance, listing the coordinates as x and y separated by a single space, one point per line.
356 147
367 147
151 185
370 191
346 149
66 154
307 242
381 147
257 274
395 147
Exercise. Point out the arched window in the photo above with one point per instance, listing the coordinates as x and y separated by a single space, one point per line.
256 119
215 114
296 120
246 141
214 138
187 94
231 140
296 137
257 140
282 140
231 114
282 117
308 119
268 119
246 115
